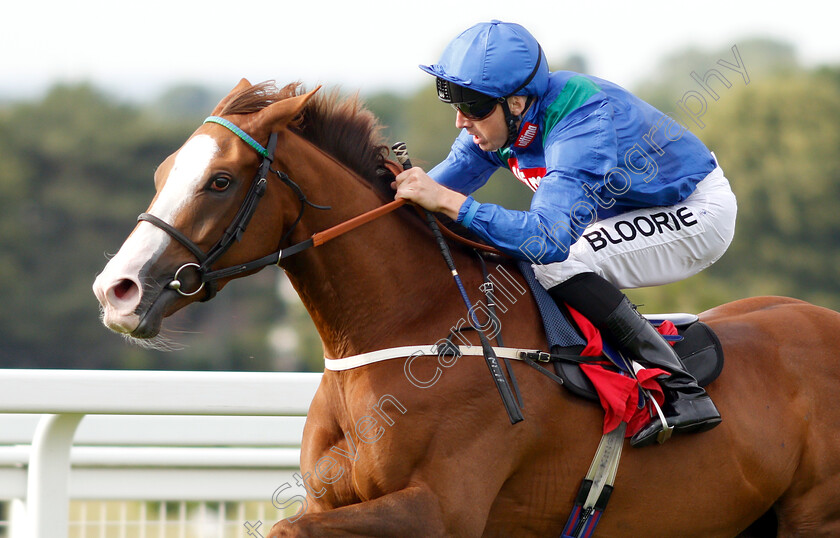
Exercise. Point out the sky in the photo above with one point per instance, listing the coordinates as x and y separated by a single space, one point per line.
135 50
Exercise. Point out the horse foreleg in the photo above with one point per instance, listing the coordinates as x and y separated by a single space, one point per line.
411 511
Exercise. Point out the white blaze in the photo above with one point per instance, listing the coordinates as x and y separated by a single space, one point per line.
185 177
147 241
183 181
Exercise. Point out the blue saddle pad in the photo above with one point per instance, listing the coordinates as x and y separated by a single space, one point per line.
558 330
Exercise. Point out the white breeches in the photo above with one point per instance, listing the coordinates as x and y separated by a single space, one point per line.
654 245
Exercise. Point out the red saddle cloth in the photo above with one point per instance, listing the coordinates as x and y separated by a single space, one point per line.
618 392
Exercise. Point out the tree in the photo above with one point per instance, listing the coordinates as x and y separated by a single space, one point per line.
670 80
778 140
188 102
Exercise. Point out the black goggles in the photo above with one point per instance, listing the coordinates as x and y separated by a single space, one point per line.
472 104
476 111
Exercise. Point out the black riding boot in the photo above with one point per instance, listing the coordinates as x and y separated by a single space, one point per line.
688 408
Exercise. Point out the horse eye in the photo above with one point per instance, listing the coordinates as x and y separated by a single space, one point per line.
220 184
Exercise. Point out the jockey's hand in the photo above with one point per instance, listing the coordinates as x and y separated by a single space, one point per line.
416 186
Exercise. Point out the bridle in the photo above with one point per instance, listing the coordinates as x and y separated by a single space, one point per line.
240 222
237 227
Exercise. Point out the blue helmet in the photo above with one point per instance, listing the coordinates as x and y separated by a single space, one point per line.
495 58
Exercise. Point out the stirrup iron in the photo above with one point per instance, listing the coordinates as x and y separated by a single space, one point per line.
666 432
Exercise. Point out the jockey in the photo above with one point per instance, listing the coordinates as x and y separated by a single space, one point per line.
624 196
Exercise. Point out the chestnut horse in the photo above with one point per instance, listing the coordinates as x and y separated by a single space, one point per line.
383 455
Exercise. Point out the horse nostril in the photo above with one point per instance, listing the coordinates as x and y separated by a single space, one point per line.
124 291
123 288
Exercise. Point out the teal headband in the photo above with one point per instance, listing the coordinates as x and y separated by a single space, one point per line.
241 134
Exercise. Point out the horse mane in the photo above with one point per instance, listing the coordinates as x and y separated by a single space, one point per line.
341 126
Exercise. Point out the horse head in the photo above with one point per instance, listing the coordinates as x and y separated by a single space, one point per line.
201 189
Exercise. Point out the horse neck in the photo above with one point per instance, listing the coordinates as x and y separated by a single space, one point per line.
376 286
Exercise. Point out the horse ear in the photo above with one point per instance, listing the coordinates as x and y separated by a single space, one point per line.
243 85
282 112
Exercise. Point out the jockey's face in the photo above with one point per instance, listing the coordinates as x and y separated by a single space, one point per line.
490 133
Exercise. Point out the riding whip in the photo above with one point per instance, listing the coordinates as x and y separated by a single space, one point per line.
511 405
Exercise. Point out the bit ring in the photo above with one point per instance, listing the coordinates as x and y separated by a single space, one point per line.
176 283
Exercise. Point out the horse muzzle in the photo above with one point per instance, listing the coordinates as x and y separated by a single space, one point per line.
118 299
151 319
129 309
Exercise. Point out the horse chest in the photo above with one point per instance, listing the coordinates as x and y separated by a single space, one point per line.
351 455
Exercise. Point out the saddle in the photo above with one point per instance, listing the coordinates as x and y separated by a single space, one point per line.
694 341
696 344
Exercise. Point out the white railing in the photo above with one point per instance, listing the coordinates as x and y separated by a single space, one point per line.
146 435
